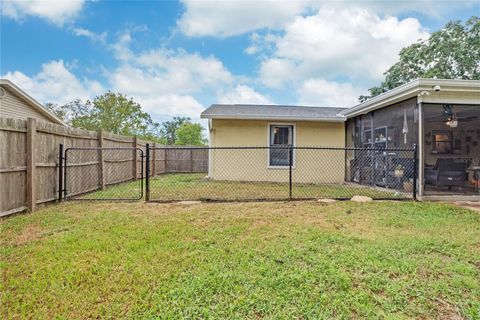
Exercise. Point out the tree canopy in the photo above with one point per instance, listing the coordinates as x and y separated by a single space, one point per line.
116 113
168 129
450 53
190 134
113 112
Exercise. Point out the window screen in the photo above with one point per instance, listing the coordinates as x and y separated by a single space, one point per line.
281 136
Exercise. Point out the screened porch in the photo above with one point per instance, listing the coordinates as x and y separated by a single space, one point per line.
448 141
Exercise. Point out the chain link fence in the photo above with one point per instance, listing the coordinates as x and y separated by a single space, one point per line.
102 174
286 173
237 173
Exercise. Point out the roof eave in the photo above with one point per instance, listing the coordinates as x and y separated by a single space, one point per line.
37 105
408 91
402 92
272 118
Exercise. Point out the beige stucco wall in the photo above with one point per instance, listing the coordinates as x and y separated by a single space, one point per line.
310 166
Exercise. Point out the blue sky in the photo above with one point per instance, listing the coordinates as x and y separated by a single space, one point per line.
176 58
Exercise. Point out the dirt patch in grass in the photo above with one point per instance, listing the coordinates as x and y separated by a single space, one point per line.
447 311
29 233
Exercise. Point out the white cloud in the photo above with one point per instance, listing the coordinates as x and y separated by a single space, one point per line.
243 94
228 18
121 48
234 17
260 43
433 8
97 37
187 68
164 81
275 72
352 43
57 12
161 93
55 83
323 93
168 105
166 71
251 50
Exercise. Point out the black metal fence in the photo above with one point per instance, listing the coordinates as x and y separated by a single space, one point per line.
291 173
239 173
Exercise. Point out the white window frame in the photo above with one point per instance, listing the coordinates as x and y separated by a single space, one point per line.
294 128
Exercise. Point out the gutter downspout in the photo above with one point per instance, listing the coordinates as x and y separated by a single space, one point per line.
210 144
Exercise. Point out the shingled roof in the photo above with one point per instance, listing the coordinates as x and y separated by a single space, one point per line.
272 112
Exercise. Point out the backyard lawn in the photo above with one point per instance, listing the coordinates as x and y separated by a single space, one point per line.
242 260
195 186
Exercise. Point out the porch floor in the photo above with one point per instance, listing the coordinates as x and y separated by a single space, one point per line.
439 191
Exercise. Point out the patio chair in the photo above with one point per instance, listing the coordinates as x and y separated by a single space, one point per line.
447 173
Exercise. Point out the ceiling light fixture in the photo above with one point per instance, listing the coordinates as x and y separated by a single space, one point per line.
449 116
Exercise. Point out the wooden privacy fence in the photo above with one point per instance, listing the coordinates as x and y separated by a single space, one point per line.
29 160
171 159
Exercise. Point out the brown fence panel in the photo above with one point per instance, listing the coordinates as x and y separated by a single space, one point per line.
24 187
102 174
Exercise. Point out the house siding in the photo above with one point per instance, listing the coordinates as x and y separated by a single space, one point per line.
12 106
310 166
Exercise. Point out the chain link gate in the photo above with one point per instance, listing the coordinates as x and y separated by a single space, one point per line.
93 173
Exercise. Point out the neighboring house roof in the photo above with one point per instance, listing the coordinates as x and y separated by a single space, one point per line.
451 91
30 101
272 112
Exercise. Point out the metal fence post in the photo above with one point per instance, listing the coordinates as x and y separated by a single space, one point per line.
134 155
154 159
290 163
147 173
60 172
142 172
415 156
65 175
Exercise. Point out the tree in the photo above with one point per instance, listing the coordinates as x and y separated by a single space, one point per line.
190 134
116 113
68 112
450 53
169 129
113 112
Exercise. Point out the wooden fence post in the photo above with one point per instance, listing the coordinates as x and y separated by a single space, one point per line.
31 164
154 159
165 160
134 155
191 160
101 164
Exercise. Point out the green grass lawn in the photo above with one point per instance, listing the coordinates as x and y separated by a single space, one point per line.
241 260
194 186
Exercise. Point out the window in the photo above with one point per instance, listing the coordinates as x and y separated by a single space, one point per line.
281 136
